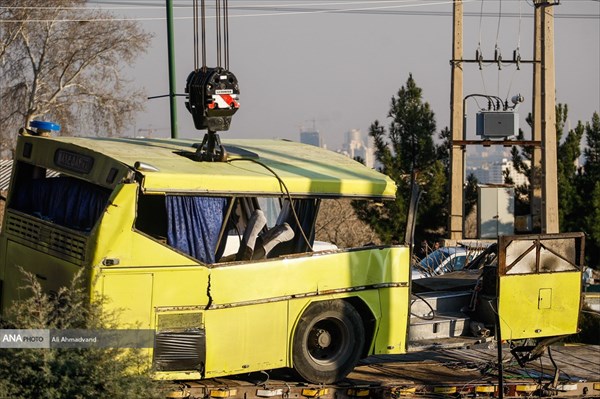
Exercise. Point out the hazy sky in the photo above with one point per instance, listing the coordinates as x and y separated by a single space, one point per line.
338 63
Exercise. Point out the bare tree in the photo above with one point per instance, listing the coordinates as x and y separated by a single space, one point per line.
9 32
338 223
62 61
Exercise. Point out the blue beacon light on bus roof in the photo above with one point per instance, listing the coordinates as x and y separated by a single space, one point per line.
43 127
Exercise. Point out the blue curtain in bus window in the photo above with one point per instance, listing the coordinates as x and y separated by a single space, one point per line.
63 200
194 224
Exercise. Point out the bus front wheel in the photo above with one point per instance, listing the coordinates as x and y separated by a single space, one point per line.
328 341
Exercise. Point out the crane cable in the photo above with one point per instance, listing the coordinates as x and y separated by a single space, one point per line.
226 27
222 33
199 42
195 33
218 33
203 15
212 91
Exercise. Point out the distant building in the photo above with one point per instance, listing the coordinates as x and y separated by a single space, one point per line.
481 173
311 138
496 171
354 147
490 164
493 173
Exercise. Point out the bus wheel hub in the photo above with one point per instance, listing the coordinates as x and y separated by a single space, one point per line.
323 338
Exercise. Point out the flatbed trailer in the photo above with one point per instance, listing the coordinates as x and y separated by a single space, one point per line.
444 373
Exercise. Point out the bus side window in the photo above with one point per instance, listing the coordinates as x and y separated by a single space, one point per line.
306 211
234 228
281 233
64 200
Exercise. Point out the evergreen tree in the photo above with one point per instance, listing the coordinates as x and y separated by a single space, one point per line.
591 178
567 157
388 221
568 153
592 152
578 188
406 150
445 147
470 193
521 158
592 228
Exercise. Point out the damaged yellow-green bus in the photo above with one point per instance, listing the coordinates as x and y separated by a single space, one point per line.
220 258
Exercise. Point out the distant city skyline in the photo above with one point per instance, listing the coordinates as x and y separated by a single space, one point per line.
311 137
487 164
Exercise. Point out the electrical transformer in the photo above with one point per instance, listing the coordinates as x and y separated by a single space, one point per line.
497 124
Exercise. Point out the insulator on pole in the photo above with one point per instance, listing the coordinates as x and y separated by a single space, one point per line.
479 58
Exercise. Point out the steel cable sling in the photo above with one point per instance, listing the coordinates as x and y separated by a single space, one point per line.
212 92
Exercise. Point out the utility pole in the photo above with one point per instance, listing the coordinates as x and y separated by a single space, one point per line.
171 57
535 183
457 154
548 119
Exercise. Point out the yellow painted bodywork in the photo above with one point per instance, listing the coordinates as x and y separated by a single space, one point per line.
250 316
115 237
255 306
53 273
305 169
249 324
393 304
539 305
248 310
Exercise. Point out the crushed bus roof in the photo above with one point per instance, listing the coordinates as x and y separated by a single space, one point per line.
305 169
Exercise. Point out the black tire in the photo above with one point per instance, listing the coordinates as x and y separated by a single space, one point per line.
328 342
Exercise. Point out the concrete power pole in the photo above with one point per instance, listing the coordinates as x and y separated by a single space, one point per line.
457 155
544 117
535 183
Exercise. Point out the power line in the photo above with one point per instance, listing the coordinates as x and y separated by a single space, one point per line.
282 10
185 3
126 5
159 4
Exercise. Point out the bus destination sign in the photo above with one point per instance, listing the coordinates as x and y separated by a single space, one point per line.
73 161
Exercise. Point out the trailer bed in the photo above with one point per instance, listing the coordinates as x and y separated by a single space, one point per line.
440 373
